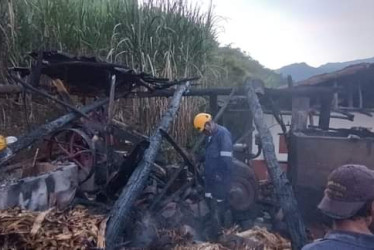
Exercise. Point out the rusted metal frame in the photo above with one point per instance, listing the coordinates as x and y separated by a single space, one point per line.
176 194
70 155
282 186
175 175
37 91
191 167
121 210
200 140
46 129
170 182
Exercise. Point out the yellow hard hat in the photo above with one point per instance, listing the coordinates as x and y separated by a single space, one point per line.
3 143
200 120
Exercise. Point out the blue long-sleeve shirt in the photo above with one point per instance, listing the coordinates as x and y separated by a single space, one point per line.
218 162
340 240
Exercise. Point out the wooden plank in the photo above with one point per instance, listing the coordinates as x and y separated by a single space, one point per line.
120 213
282 186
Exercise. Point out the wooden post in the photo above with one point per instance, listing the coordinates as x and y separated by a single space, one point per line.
213 105
360 100
282 186
325 112
351 89
336 95
300 111
121 210
36 70
289 81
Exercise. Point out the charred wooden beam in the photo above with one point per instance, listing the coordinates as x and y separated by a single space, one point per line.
166 188
191 167
129 130
282 186
288 92
10 89
39 92
314 113
46 129
36 71
121 209
297 91
177 193
213 104
325 112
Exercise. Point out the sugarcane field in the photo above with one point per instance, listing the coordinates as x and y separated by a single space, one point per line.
186 124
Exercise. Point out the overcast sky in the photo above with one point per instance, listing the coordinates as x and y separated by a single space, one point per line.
281 32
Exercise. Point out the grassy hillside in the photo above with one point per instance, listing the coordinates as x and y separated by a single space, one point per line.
235 66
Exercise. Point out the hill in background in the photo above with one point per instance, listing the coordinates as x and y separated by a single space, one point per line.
301 71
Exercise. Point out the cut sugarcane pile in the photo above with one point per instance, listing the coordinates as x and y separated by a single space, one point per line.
51 229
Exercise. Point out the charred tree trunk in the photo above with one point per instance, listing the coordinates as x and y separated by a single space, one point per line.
282 186
121 209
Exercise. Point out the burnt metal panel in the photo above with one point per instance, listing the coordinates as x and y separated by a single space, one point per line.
312 158
317 156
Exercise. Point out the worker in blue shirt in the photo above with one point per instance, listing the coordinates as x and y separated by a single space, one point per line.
217 163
